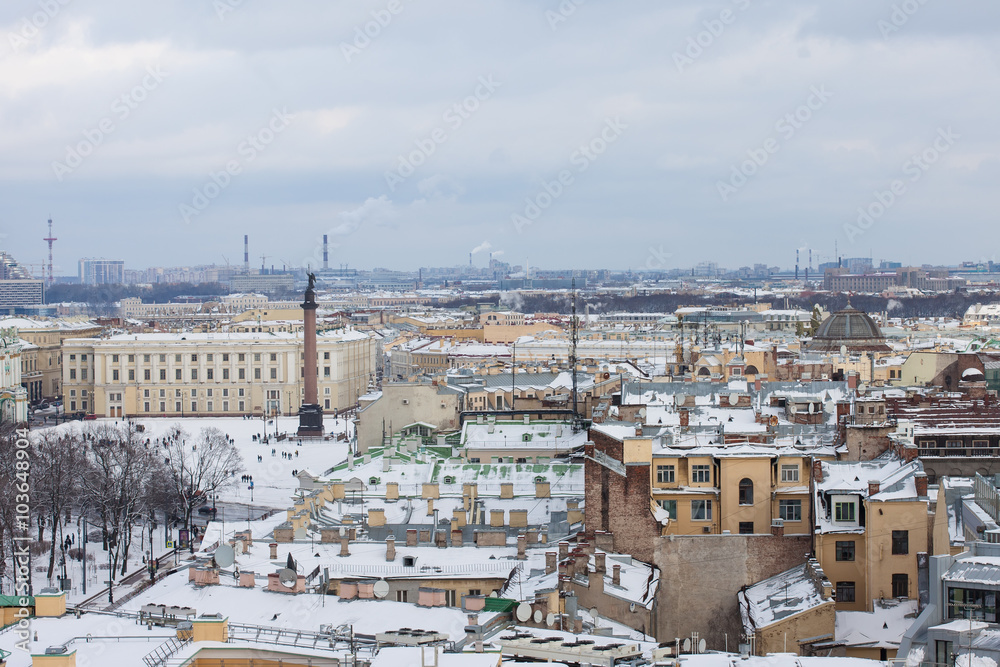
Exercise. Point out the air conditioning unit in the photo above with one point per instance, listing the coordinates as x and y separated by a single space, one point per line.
706 529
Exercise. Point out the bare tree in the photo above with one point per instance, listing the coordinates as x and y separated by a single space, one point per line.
118 484
13 483
199 470
57 468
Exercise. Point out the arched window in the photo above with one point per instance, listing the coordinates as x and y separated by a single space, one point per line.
704 371
746 492
751 370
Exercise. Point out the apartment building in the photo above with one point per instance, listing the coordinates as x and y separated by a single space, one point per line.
188 374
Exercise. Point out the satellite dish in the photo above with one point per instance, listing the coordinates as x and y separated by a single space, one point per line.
494 594
288 577
538 616
381 588
686 646
843 350
343 531
523 612
701 646
224 556
550 620
595 614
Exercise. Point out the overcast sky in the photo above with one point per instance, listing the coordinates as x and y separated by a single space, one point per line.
583 133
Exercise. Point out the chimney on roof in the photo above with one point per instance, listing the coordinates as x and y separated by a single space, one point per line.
563 550
550 562
345 542
616 574
777 527
685 417
873 487
921 480
817 470
600 561
390 548
522 543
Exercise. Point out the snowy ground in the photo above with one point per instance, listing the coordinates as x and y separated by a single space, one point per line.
274 487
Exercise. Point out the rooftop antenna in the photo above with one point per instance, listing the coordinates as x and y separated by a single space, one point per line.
50 239
246 253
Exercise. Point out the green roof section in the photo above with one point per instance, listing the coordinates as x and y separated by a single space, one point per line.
15 601
499 604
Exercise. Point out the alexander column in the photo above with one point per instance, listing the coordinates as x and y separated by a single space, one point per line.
310 413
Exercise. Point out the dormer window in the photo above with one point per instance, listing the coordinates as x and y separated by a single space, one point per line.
845 509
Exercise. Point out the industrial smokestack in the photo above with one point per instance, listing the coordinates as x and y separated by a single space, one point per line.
470 260
326 254
796 264
246 253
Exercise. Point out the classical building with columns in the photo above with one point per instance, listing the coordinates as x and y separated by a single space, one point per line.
198 374
13 397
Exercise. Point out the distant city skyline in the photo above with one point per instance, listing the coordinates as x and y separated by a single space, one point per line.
575 134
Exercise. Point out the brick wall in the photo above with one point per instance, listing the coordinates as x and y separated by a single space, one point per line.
619 504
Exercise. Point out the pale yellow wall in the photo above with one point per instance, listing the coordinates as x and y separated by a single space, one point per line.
844 570
731 472
784 635
883 518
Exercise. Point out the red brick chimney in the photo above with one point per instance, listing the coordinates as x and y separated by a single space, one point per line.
550 562
390 548
685 417
817 470
852 380
873 487
778 528
921 480
563 550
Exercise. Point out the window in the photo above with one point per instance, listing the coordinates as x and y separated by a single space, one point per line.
225 357
145 406
177 406
450 598
72 374
701 510
326 403
194 373
790 510
240 391
177 358
145 393
274 373
664 474
670 506
163 358
256 356
746 491
274 357
163 373
114 358
746 527
83 373
256 374
163 392
900 542
225 373
242 408
72 357
209 357
72 405
83 405
844 512
326 371
326 355
845 591
400 596
194 358
701 474
194 392
209 374
243 374
900 586
146 375
131 375
163 406
845 550
145 358
194 406
177 374
131 358
789 472
225 406
209 406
